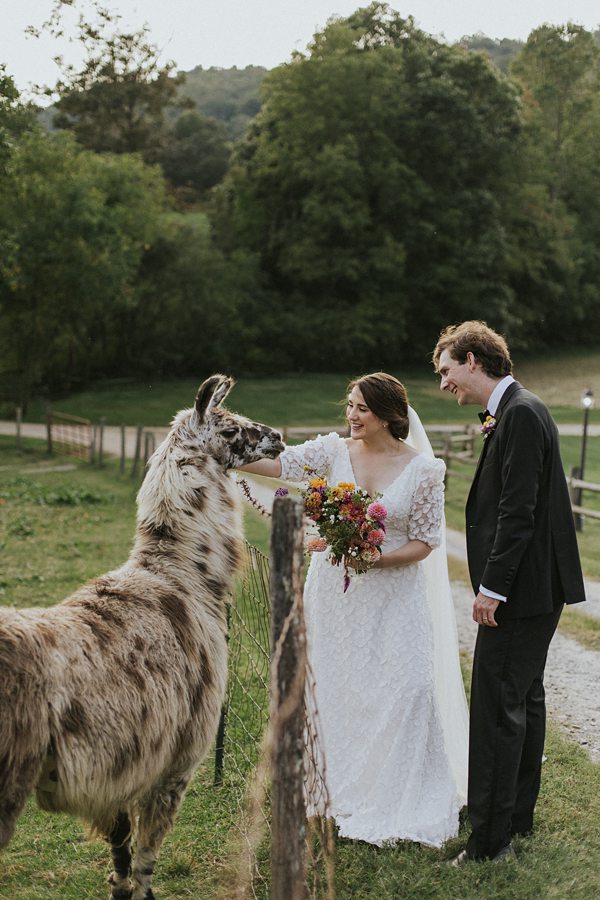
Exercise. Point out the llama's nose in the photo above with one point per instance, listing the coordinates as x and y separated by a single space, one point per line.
271 433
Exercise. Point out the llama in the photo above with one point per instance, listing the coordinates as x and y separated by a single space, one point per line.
109 701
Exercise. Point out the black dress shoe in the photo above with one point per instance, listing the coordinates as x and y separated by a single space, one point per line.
507 852
502 855
459 860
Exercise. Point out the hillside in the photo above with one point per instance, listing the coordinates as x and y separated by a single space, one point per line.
230 95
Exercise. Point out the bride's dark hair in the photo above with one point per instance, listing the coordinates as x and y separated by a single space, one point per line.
386 397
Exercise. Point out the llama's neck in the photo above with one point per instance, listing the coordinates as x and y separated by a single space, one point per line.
189 528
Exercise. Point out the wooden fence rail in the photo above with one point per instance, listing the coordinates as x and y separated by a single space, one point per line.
458 447
576 489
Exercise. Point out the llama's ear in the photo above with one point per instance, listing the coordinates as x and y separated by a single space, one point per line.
211 393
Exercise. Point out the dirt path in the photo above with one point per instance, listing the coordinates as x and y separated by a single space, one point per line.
571 679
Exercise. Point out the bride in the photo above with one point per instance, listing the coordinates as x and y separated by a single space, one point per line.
391 706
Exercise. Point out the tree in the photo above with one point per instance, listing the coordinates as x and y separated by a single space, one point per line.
558 71
229 95
195 155
501 51
197 309
15 118
74 228
117 101
370 187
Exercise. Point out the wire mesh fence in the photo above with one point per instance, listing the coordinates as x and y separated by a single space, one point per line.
246 739
70 434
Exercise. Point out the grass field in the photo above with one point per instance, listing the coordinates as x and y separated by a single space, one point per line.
312 399
59 529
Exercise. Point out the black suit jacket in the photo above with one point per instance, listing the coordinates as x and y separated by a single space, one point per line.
521 539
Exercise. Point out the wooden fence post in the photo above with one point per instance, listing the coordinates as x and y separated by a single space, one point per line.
19 419
49 429
576 498
149 445
138 450
93 442
123 449
101 442
446 457
287 702
471 431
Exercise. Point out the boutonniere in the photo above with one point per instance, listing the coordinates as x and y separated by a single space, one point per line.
487 426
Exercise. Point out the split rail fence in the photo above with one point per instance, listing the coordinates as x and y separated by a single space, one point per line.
458 448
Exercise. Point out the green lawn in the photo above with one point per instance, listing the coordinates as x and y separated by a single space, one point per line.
314 399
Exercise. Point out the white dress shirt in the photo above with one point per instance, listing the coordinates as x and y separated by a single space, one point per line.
492 408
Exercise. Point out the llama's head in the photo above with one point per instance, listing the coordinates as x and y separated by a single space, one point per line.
229 438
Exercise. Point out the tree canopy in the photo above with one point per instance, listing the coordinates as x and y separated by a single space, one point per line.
370 189
389 184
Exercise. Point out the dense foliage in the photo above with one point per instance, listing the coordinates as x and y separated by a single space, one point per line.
98 278
232 96
388 184
391 184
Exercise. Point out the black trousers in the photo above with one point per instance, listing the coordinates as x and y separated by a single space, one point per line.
507 729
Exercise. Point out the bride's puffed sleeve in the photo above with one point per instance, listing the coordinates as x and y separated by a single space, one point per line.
317 454
426 514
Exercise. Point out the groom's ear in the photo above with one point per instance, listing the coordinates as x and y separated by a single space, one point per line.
472 361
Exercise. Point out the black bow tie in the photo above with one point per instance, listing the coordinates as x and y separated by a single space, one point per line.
483 415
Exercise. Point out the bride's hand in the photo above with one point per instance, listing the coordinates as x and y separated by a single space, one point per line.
358 565
316 545
361 565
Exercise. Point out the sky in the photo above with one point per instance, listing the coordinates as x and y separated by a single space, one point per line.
264 32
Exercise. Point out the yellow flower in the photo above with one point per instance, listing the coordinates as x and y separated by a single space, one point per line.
318 483
346 485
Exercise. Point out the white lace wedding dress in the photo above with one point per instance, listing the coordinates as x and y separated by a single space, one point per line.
387 768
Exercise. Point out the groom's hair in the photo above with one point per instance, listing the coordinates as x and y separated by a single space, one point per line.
489 348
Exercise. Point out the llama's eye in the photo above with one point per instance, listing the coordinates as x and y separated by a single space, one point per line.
229 432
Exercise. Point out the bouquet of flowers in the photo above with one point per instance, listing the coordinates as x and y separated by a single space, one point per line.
349 522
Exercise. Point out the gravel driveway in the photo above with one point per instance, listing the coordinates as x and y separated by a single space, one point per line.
572 677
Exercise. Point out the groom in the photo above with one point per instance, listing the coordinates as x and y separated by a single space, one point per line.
524 565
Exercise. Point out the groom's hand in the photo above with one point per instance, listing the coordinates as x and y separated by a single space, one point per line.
484 609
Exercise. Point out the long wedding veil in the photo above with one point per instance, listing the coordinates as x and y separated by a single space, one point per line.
449 686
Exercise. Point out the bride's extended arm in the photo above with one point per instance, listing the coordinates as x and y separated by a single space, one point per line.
413 552
269 467
290 465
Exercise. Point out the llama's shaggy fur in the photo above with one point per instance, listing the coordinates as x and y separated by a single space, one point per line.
109 701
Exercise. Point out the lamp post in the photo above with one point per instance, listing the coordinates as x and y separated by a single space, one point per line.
587 403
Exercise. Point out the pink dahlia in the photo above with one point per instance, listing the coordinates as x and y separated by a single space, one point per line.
377 511
376 537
